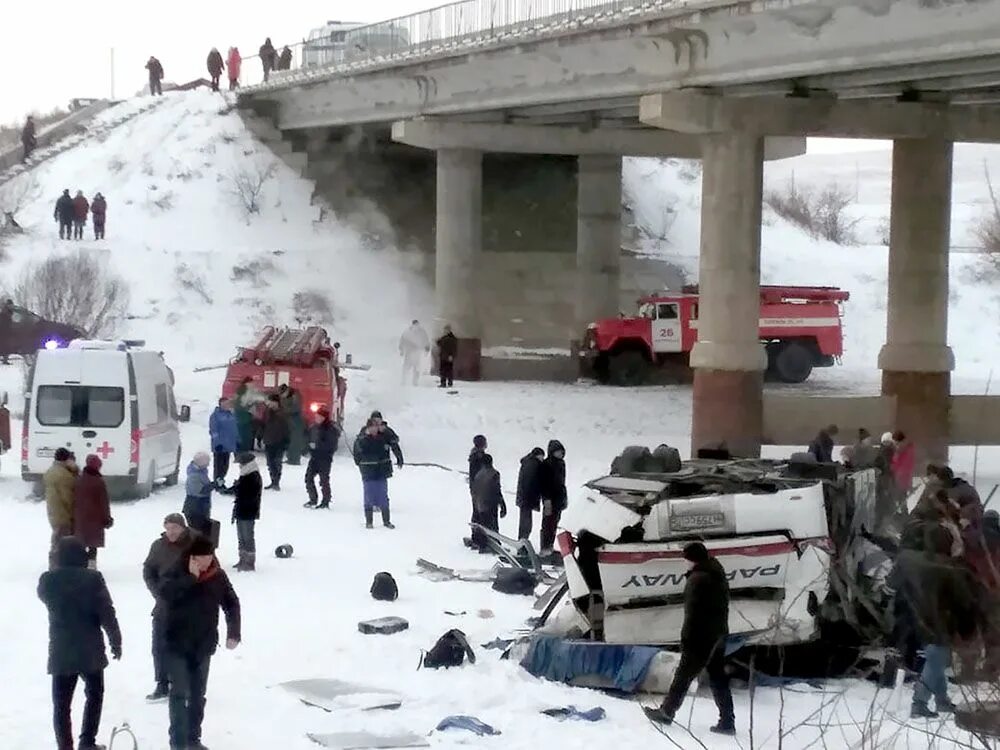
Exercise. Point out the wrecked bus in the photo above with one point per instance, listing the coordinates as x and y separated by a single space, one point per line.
791 537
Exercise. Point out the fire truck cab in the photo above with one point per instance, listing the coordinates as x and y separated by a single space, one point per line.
303 359
800 328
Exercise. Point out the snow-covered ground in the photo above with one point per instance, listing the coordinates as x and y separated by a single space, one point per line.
300 615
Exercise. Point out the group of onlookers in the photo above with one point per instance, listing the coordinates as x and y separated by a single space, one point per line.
71 214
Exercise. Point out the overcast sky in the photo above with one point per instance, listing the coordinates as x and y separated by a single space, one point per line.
54 50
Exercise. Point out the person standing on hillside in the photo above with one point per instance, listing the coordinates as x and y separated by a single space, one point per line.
155 76
447 351
99 210
164 554
59 481
80 607
703 640
371 454
225 436
529 491
235 63
487 499
91 508
554 499
268 57
215 67
64 214
246 510
275 437
81 207
28 139
323 439
413 345
285 59
193 592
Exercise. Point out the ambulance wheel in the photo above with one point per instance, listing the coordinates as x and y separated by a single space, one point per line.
173 478
628 368
793 363
145 489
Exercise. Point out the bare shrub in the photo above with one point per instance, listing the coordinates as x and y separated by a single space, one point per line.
987 229
246 185
883 232
254 272
227 137
311 306
116 165
188 279
76 290
160 201
822 213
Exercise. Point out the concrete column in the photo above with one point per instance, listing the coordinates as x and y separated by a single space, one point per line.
916 361
458 239
728 359
598 238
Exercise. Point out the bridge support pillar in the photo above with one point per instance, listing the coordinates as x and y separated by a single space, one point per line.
598 238
916 361
728 359
458 245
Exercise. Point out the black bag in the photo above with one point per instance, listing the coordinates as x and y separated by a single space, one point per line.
515 581
449 651
384 588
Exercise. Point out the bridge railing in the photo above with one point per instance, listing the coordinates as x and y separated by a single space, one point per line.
466 22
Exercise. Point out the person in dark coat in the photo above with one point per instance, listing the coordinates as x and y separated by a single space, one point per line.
389 435
193 592
155 69
268 57
246 510
324 437
28 138
99 211
554 498
225 436
6 329
198 494
703 640
91 508
285 59
447 351
65 214
487 499
529 491
291 404
80 608
372 457
215 67
275 437
476 462
81 209
821 447
164 553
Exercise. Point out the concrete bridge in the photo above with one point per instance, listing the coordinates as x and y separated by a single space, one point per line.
729 81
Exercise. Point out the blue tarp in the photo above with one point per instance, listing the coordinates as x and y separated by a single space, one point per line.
562 661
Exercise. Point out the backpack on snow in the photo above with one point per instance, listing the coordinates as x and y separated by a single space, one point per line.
449 651
515 581
384 587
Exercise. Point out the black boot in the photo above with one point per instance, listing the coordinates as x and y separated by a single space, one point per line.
160 693
658 715
324 504
385 519
310 504
369 515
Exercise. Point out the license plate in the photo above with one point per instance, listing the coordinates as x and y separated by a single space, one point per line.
45 452
696 521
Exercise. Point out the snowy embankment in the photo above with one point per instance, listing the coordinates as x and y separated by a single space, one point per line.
203 276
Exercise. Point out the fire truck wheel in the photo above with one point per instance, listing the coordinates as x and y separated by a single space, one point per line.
793 363
628 368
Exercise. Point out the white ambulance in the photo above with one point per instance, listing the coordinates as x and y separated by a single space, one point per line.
109 398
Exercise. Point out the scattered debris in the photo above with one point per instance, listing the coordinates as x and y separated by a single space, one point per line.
498 644
333 694
450 650
367 740
572 712
468 724
383 626
440 573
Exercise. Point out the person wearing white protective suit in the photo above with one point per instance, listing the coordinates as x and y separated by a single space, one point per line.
414 344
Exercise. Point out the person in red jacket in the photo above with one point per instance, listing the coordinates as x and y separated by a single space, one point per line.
99 210
235 62
904 461
91 509
81 207
215 67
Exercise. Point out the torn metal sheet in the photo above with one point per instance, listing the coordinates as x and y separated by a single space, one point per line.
439 573
332 694
367 740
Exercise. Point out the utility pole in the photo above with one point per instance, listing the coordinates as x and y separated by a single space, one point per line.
112 74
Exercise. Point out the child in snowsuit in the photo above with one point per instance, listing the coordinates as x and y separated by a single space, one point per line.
246 509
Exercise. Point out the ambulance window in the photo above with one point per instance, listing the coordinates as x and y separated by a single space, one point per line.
667 311
162 404
80 406
105 407
55 405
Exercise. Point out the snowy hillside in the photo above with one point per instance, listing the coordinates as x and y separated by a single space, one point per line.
666 199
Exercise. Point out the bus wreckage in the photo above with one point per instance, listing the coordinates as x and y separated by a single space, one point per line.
791 535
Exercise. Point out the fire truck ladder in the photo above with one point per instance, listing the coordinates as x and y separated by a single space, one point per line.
296 346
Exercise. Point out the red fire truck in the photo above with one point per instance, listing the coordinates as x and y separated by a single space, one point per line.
303 359
800 327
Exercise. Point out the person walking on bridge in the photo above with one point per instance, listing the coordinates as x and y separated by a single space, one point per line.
268 57
155 69
285 59
215 67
